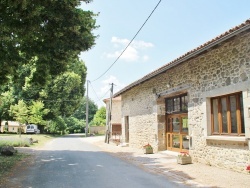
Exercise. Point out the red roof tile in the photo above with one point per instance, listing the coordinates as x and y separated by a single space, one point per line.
210 44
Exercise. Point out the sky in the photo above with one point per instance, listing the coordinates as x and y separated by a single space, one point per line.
174 28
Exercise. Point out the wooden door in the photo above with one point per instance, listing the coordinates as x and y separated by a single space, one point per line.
177 132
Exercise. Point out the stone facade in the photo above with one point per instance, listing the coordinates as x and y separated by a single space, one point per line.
116 114
221 70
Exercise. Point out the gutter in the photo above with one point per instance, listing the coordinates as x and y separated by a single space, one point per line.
185 58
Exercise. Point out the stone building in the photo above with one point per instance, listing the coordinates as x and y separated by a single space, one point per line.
199 103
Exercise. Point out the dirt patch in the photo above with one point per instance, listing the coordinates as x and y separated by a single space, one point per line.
19 168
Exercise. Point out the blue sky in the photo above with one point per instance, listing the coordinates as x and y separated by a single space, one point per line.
176 27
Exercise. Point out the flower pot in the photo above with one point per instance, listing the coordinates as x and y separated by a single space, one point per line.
184 159
148 150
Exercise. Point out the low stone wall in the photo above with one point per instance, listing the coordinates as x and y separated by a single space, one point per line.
97 130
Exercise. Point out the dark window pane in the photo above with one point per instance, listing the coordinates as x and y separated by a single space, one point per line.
242 115
169 106
224 114
176 104
215 114
176 141
185 142
176 124
184 103
233 109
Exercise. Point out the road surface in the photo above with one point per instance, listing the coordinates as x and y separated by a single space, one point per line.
70 162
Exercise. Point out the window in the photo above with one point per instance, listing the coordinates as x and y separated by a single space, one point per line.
227 115
177 104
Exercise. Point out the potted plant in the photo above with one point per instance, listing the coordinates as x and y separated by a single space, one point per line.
248 168
148 149
184 158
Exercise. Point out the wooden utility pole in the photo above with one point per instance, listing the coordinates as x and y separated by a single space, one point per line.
107 137
87 111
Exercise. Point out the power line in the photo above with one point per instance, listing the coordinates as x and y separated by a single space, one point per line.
99 99
128 43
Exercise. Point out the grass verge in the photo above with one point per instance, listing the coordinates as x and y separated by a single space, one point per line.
7 162
14 140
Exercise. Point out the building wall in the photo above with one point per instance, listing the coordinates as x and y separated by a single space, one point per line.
116 112
12 127
222 70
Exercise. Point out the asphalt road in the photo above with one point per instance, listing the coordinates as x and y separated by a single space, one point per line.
69 162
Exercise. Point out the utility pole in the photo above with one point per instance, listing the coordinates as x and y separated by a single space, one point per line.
109 114
87 111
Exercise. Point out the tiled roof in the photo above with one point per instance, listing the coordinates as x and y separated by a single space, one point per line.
202 48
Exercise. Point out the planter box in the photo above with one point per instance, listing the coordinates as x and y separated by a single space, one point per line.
184 160
148 150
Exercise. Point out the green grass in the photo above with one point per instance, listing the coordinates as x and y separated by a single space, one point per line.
7 162
16 141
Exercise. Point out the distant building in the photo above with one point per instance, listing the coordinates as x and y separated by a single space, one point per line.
12 126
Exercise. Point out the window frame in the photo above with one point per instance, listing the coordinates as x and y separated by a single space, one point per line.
239 113
181 104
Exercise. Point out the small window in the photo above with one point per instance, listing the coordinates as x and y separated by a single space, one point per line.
227 115
177 104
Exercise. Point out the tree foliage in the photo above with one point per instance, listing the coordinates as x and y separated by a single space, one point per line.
20 112
51 31
75 125
80 113
99 118
57 126
37 113
6 100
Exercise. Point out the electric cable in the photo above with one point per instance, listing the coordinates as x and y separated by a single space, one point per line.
128 43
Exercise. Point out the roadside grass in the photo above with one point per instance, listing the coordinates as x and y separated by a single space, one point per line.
16 141
7 162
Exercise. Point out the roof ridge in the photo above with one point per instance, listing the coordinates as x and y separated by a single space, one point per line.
215 39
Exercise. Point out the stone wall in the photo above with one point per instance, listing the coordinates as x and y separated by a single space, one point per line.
116 112
222 70
97 130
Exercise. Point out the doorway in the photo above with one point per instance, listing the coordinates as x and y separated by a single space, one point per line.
177 123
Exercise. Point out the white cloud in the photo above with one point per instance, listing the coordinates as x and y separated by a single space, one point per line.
133 53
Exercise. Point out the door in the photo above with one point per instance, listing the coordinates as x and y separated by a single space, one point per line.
177 132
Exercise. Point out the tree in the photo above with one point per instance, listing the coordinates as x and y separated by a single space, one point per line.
99 118
50 31
6 99
64 94
57 125
75 125
61 94
80 113
37 112
20 113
